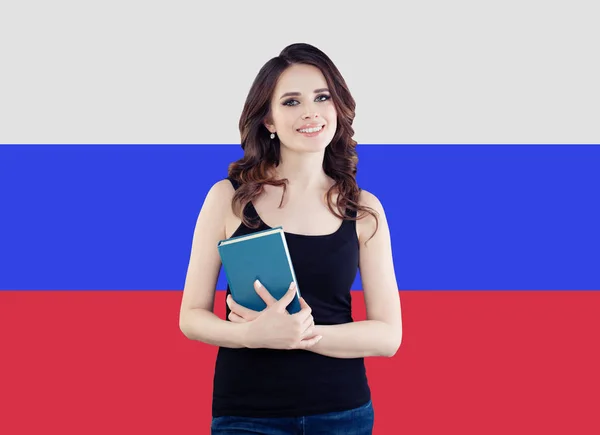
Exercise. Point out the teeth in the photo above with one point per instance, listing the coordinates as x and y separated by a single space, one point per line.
310 130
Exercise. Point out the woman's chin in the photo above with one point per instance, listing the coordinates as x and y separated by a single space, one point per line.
311 147
312 144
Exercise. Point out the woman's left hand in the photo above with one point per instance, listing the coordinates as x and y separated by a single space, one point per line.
240 314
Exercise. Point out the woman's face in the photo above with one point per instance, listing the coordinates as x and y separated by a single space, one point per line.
301 100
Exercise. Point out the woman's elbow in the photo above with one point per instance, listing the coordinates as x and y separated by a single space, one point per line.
183 327
393 345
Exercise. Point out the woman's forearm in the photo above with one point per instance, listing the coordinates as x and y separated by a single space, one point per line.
205 326
350 340
357 339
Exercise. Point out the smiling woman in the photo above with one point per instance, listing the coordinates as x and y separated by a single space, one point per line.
311 113
296 373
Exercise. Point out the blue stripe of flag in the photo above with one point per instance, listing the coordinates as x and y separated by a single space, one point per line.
462 217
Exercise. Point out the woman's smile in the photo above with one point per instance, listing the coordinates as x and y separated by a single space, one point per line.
311 131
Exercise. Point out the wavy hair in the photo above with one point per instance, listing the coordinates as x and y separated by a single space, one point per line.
261 153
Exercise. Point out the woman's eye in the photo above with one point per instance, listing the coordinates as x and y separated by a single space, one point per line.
320 98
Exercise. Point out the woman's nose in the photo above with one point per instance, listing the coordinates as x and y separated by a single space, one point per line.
310 115
311 110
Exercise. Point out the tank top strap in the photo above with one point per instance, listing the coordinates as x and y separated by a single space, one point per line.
234 183
249 210
351 213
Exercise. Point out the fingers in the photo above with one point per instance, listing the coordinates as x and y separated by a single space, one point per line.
310 332
308 328
239 309
235 318
305 344
264 293
289 295
270 300
307 323
304 313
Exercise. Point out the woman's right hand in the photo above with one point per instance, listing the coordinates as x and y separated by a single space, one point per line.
275 328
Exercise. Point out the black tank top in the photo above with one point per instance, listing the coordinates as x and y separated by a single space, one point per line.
292 383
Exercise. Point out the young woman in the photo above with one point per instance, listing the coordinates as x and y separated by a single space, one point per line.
303 373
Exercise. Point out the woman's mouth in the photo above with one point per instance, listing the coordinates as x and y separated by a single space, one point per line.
311 132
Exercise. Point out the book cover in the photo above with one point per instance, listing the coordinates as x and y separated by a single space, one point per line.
262 255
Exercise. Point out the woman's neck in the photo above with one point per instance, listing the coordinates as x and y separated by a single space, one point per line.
304 171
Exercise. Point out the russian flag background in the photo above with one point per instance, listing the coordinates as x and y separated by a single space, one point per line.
478 129
496 250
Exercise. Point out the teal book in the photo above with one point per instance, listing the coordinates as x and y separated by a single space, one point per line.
262 255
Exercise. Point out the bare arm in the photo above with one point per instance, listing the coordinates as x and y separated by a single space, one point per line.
197 320
381 333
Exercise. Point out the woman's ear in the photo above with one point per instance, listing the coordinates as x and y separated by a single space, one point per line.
269 126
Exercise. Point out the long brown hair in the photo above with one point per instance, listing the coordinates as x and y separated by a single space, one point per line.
261 153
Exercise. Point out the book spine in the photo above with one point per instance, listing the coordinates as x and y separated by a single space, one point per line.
289 258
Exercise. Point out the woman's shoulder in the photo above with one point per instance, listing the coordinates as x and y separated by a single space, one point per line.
368 199
219 195
222 188
217 207
368 225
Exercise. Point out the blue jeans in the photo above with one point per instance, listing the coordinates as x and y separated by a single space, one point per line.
357 421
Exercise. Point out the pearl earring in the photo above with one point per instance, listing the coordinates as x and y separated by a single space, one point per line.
272 135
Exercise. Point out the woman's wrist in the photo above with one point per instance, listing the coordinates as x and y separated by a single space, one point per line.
244 332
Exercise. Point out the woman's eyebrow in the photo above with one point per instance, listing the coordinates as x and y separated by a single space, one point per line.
296 94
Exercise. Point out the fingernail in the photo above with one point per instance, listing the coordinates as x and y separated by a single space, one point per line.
319 338
293 285
258 283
